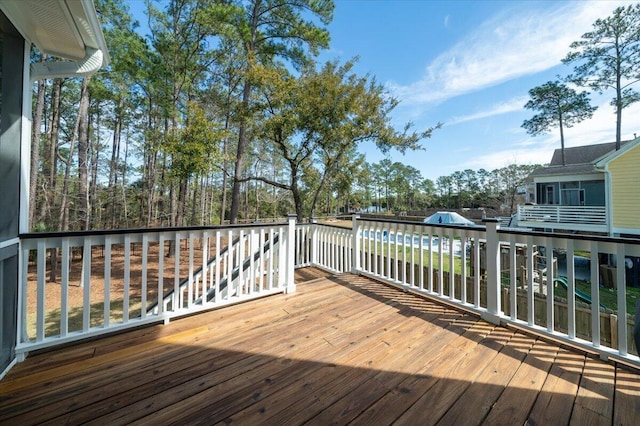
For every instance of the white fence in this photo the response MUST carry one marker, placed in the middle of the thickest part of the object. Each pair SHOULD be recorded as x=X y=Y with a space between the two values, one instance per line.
x=558 y=285
x=77 y=285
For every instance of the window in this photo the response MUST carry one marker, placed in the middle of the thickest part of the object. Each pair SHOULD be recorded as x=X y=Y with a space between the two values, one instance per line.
x=549 y=195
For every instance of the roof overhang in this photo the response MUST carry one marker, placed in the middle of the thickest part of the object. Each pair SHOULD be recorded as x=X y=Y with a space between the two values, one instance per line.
x=67 y=29
x=604 y=161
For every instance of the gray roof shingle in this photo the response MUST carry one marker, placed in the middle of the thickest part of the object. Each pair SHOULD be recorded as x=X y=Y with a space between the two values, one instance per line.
x=579 y=160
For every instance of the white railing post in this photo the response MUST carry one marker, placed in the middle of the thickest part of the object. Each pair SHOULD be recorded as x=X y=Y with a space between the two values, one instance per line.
x=290 y=285
x=493 y=271
x=355 y=254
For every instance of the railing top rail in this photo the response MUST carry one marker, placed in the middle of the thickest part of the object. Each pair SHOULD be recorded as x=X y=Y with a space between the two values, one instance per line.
x=330 y=225
x=556 y=206
x=582 y=237
x=59 y=234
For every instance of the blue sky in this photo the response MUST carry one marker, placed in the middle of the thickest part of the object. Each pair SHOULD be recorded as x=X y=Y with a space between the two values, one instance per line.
x=470 y=65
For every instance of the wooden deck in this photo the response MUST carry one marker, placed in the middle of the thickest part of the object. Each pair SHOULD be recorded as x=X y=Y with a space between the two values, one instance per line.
x=340 y=350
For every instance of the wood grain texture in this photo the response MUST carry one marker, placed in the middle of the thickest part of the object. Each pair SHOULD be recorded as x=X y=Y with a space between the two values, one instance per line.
x=341 y=350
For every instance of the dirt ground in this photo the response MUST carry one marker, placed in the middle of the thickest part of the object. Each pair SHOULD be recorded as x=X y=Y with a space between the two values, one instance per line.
x=116 y=286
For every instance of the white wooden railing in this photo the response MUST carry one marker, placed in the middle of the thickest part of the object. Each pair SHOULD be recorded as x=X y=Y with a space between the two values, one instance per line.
x=328 y=247
x=111 y=280
x=588 y=218
x=503 y=275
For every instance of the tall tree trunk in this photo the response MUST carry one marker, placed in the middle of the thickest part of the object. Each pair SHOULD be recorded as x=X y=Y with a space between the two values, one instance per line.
x=63 y=214
x=50 y=164
x=618 y=108
x=240 y=153
x=35 y=149
x=150 y=169
x=182 y=201
x=83 y=154
x=194 y=202
x=123 y=183
x=225 y=166
x=95 y=214
x=564 y=162
x=114 y=166
x=295 y=190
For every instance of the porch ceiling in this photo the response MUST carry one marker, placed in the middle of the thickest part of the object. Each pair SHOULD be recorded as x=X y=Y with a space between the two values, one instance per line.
x=62 y=28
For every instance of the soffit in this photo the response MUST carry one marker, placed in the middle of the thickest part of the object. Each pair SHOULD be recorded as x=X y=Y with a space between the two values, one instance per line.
x=62 y=28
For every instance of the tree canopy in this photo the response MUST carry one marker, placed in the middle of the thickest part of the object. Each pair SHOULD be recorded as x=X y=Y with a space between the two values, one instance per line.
x=558 y=106
x=607 y=58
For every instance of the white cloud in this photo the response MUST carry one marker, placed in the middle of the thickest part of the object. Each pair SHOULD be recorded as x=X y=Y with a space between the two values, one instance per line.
x=497 y=160
x=516 y=42
x=515 y=104
x=538 y=150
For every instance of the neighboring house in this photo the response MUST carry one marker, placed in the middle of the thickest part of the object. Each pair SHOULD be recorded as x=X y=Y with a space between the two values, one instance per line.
x=596 y=191
x=67 y=29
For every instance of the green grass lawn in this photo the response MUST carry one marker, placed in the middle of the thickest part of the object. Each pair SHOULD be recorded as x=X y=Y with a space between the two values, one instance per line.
x=608 y=296
x=383 y=249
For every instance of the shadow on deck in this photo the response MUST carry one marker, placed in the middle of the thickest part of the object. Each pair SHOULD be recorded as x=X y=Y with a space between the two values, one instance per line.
x=341 y=349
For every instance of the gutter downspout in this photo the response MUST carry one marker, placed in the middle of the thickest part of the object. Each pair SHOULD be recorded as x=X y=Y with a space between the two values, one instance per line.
x=88 y=65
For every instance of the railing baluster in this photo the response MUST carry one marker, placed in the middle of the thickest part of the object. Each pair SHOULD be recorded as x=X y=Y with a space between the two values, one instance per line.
x=127 y=278
x=463 y=267
x=143 y=290
x=621 y=291
x=64 y=289
x=452 y=269
x=404 y=255
x=549 y=287
x=421 y=252
x=107 y=281
x=595 y=296
x=412 y=275
x=192 y=286
x=241 y=281
x=431 y=268
x=177 y=293
x=216 y=295
x=86 y=284
x=513 y=279
x=530 y=283
x=440 y=262
x=161 y=305
x=261 y=244
x=272 y=253
x=40 y=293
x=390 y=229
x=230 y=256
x=375 y=250
x=571 y=291
x=282 y=258
x=252 y=268
x=204 y=271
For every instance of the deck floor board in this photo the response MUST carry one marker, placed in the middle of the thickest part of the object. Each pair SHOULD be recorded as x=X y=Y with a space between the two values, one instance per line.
x=341 y=350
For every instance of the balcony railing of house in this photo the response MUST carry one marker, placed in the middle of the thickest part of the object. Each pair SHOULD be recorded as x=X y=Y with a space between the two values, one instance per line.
x=586 y=218
x=82 y=284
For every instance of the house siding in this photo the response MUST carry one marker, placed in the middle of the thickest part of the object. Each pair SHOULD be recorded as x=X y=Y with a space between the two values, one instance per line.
x=625 y=190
